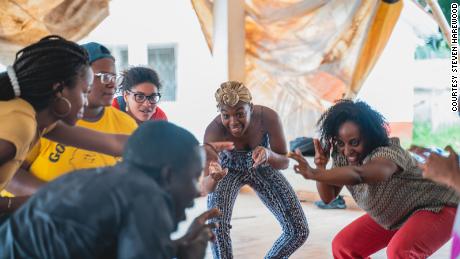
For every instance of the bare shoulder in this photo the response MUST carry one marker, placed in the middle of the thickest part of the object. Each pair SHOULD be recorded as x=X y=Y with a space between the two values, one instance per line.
x=267 y=113
x=214 y=130
x=215 y=124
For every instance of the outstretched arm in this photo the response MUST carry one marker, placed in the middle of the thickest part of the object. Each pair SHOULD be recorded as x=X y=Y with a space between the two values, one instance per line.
x=7 y=151
x=110 y=144
x=24 y=183
x=193 y=244
x=377 y=170
x=444 y=170
x=9 y=205
x=211 y=177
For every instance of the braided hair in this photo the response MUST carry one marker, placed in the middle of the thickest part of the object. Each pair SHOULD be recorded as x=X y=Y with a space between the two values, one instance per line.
x=40 y=66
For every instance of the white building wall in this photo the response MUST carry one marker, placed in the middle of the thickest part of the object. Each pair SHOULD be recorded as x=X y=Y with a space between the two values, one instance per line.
x=140 y=23
x=390 y=85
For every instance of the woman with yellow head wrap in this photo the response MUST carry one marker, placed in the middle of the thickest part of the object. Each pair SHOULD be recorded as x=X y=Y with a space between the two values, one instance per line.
x=260 y=152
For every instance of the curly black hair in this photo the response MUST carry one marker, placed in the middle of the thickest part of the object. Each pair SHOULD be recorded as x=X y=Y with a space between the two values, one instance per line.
x=138 y=75
x=372 y=124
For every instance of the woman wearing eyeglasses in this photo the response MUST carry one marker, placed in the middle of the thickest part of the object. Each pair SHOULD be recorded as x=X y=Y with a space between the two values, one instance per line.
x=52 y=159
x=141 y=94
x=43 y=94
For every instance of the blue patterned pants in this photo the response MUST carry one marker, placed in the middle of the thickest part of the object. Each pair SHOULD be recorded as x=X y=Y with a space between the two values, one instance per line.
x=276 y=193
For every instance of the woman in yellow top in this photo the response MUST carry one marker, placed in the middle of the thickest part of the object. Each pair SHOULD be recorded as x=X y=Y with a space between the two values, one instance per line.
x=54 y=159
x=43 y=94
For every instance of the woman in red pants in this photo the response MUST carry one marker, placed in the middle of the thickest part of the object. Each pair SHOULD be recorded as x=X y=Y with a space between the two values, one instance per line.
x=409 y=215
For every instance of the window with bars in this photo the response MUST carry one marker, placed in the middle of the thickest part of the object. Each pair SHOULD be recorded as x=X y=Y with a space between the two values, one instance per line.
x=163 y=61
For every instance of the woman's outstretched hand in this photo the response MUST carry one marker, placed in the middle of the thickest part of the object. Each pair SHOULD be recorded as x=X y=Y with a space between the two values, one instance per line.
x=444 y=170
x=216 y=172
x=302 y=168
x=212 y=149
x=260 y=155
x=321 y=156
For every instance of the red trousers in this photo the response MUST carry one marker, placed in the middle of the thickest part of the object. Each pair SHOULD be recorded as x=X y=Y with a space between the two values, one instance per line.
x=419 y=237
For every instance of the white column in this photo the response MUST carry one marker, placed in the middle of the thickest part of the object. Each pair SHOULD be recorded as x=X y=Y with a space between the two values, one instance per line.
x=228 y=38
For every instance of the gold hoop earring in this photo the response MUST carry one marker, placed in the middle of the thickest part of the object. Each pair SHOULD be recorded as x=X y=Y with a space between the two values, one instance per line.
x=62 y=107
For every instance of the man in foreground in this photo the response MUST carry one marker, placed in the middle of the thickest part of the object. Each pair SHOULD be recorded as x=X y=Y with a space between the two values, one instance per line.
x=125 y=211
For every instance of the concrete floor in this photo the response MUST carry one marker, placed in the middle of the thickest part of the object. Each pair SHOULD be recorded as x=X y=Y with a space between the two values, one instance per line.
x=254 y=228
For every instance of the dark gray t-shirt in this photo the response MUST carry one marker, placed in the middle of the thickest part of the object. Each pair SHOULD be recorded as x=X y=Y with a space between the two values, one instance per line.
x=99 y=213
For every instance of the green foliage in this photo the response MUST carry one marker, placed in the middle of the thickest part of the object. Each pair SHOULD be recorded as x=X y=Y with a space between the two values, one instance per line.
x=444 y=4
x=423 y=135
x=435 y=45
x=445 y=7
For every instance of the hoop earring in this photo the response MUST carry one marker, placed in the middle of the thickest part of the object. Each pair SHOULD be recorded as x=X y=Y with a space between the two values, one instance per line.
x=62 y=107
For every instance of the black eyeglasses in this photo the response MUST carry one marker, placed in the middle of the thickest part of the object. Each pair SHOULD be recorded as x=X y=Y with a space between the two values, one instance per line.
x=141 y=97
x=106 y=78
